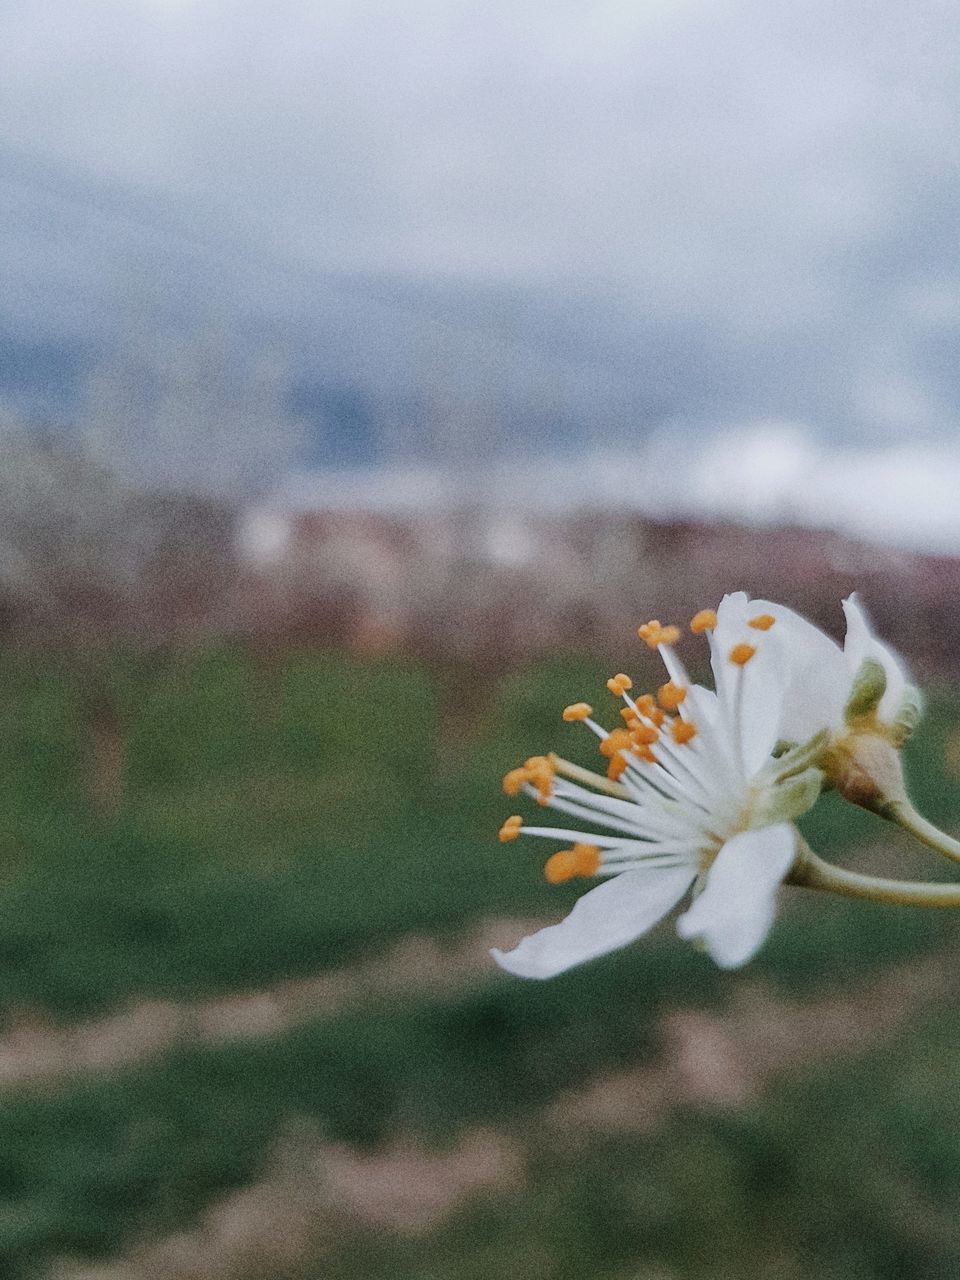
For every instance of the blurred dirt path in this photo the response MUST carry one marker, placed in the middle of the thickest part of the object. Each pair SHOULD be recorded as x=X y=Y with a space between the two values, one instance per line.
x=724 y=1059
x=34 y=1048
x=314 y=1190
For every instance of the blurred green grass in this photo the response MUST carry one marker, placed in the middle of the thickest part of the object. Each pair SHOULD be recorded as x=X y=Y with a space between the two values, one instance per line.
x=280 y=820
x=276 y=823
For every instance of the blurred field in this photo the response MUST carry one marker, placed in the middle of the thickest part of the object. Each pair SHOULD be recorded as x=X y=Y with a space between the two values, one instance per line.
x=326 y=815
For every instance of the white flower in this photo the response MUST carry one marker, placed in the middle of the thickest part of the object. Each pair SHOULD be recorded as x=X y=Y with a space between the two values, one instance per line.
x=693 y=800
x=822 y=680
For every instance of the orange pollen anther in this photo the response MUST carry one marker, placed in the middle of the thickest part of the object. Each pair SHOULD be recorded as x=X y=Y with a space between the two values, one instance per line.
x=683 y=731
x=705 y=620
x=616 y=740
x=577 y=711
x=741 y=654
x=581 y=860
x=671 y=695
x=644 y=734
x=656 y=634
x=631 y=719
x=513 y=781
x=539 y=771
x=619 y=684
x=511 y=828
x=762 y=622
x=643 y=752
x=540 y=774
x=616 y=767
x=649 y=709
x=539 y=764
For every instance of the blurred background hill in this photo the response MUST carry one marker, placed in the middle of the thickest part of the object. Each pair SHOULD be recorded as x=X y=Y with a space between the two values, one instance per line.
x=367 y=373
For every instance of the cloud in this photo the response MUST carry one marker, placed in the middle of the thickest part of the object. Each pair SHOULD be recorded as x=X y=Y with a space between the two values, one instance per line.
x=778 y=172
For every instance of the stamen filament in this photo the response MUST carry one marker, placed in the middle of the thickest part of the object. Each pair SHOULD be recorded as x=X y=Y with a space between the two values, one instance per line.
x=605 y=869
x=581 y=811
x=578 y=774
x=604 y=842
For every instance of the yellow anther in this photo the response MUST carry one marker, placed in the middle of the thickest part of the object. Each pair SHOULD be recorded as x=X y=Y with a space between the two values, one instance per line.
x=619 y=684
x=647 y=706
x=581 y=860
x=670 y=695
x=644 y=734
x=630 y=717
x=705 y=620
x=514 y=780
x=762 y=622
x=540 y=774
x=654 y=633
x=616 y=740
x=511 y=828
x=616 y=767
x=538 y=771
x=577 y=711
x=644 y=752
x=741 y=654
x=682 y=731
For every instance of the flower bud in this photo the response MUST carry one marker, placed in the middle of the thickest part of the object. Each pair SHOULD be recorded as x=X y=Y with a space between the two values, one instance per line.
x=869 y=686
x=865 y=769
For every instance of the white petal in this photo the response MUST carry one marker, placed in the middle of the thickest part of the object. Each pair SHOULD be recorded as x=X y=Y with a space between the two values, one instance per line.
x=731 y=629
x=734 y=913
x=604 y=919
x=751 y=695
x=761 y=705
x=815 y=673
x=862 y=643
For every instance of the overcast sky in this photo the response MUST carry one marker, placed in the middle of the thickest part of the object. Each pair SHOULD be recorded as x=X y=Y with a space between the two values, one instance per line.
x=686 y=144
x=760 y=166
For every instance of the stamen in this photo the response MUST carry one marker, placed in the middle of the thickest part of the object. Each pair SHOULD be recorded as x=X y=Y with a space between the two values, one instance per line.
x=565 y=769
x=670 y=695
x=511 y=828
x=616 y=767
x=705 y=620
x=616 y=740
x=619 y=684
x=683 y=731
x=577 y=711
x=540 y=774
x=513 y=781
x=741 y=654
x=536 y=770
x=654 y=633
x=644 y=734
x=649 y=710
x=630 y=717
x=643 y=752
x=762 y=622
x=581 y=860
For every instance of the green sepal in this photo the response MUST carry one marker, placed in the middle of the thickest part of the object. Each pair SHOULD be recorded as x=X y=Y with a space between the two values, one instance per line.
x=799 y=756
x=789 y=799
